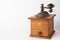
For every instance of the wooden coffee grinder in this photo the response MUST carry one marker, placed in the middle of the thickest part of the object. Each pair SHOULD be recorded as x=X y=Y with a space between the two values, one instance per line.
x=42 y=24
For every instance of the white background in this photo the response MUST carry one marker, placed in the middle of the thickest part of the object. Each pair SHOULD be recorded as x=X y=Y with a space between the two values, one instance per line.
x=14 y=22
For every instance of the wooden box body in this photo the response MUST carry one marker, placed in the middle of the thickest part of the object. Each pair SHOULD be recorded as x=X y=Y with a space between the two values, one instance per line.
x=42 y=27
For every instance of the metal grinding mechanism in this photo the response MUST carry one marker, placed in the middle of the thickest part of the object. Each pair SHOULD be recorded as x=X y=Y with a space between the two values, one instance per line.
x=45 y=13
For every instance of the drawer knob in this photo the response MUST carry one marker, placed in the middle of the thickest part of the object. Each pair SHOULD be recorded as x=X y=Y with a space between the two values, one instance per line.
x=40 y=33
